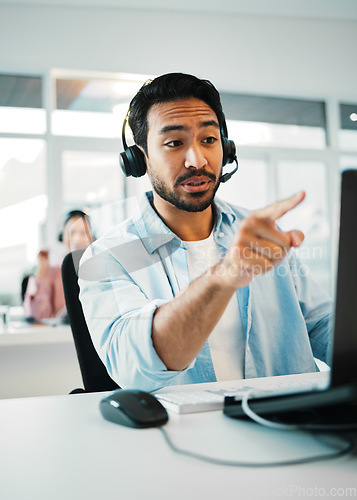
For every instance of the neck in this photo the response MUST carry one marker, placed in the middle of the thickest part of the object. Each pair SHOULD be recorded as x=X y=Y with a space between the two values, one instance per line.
x=188 y=226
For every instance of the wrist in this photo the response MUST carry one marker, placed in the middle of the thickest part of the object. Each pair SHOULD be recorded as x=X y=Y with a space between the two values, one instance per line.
x=223 y=276
x=230 y=275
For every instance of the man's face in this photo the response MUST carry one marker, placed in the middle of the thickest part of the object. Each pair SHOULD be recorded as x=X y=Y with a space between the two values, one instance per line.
x=184 y=153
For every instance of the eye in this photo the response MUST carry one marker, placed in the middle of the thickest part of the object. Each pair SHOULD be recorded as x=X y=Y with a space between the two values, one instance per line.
x=173 y=144
x=210 y=140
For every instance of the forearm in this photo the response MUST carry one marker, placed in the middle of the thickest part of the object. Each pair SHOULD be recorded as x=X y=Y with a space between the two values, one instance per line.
x=182 y=326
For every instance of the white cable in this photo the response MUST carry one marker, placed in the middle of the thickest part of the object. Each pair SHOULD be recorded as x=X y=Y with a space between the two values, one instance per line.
x=349 y=447
x=263 y=421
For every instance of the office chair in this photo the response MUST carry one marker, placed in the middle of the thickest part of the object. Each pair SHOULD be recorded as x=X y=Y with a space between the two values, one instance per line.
x=94 y=374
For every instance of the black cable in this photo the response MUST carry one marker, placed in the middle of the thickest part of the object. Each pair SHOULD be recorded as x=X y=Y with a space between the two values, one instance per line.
x=350 y=446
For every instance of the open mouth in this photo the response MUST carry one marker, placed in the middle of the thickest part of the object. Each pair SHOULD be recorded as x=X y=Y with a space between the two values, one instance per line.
x=195 y=184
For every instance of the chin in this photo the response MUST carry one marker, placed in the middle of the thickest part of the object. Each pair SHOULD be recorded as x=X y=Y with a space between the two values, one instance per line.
x=195 y=202
x=188 y=202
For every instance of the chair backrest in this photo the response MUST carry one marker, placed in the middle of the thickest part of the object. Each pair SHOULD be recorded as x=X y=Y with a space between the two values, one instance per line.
x=24 y=283
x=94 y=374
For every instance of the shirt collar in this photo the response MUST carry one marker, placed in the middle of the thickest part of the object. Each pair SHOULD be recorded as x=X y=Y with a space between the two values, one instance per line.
x=153 y=231
x=223 y=211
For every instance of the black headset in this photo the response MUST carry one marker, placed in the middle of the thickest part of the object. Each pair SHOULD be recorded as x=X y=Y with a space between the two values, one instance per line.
x=133 y=164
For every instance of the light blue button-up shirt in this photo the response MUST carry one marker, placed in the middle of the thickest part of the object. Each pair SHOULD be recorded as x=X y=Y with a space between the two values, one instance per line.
x=142 y=264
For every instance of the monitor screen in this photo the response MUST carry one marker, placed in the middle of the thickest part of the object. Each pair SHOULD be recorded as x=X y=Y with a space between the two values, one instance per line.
x=344 y=368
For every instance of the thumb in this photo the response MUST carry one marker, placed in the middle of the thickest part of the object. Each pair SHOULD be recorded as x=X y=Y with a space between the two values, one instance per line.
x=296 y=237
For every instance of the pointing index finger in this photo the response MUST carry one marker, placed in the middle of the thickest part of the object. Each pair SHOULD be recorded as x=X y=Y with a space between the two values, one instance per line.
x=279 y=208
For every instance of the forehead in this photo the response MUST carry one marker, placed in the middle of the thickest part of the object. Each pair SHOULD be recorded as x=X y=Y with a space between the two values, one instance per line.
x=179 y=112
x=75 y=222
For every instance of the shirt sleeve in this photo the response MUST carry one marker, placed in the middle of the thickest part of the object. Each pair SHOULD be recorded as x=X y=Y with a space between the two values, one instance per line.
x=316 y=306
x=119 y=317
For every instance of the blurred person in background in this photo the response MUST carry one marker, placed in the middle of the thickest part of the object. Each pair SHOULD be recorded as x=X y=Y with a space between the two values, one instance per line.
x=44 y=297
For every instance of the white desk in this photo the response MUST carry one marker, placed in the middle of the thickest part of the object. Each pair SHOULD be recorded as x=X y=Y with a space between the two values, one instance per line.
x=37 y=360
x=60 y=447
x=34 y=334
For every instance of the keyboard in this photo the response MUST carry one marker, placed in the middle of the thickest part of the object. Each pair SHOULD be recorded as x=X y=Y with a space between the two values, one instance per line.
x=191 y=402
x=210 y=396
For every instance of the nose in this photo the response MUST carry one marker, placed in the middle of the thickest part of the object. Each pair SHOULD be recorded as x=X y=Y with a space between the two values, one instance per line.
x=195 y=157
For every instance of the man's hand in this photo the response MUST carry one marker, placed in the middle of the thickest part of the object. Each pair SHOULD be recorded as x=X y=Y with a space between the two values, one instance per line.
x=258 y=245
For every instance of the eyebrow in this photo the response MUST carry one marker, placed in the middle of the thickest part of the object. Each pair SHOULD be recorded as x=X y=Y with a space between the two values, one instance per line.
x=170 y=128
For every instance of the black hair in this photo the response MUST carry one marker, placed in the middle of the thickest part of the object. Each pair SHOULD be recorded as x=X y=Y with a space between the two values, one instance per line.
x=166 y=88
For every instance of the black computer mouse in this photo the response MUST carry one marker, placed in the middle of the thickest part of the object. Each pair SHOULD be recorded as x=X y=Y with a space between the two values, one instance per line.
x=133 y=408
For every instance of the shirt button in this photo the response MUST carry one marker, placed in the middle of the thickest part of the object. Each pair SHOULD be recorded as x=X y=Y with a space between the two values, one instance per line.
x=248 y=348
x=220 y=235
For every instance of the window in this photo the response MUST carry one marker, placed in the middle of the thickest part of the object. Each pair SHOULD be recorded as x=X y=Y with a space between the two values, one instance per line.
x=281 y=144
x=311 y=216
x=272 y=121
x=242 y=189
x=265 y=129
x=23 y=193
x=20 y=105
x=93 y=107
x=93 y=180
x=348 y=161
x=348 y=131
x=23 y=210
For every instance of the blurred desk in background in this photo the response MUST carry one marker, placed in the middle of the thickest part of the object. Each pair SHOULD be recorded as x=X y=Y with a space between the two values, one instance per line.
x=17 y=333
x=38 y=360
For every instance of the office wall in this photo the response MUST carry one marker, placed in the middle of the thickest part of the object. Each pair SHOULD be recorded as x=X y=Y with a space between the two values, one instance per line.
x=247 y=53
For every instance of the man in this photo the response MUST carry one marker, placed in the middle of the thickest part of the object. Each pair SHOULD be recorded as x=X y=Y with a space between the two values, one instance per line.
x=191 y=289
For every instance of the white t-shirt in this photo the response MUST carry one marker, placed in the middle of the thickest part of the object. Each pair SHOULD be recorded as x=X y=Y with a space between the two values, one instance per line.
x=227 y=343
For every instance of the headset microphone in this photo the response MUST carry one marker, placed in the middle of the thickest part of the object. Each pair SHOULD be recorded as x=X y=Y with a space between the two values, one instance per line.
x=228 y=175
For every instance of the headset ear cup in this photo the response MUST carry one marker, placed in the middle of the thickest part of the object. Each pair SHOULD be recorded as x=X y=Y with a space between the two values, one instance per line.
x=124 y=164
x=132 y=162
x=229 y=151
